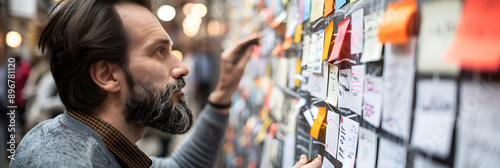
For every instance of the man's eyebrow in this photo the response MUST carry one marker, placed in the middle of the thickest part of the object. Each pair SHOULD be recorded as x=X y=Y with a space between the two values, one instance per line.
x=163 y=42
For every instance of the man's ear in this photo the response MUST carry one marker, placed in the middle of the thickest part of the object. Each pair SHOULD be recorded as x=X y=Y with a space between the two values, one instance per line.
x=105 y=75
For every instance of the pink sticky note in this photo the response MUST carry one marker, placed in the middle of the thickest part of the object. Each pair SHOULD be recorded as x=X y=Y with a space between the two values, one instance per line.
x=339 y=40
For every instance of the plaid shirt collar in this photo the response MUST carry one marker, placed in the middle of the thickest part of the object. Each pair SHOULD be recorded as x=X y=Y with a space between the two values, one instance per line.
x=126 y=153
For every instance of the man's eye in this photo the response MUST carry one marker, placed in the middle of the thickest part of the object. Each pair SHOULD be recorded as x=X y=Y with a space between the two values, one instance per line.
x=159 y=51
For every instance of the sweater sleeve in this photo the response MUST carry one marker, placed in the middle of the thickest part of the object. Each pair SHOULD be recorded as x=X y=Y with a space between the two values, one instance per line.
x=200 y=148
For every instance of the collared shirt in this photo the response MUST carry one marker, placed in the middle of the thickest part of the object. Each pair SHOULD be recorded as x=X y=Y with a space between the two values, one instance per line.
x=126 y=153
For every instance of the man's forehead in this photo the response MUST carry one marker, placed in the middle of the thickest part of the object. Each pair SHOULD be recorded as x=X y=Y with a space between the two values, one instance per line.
x=139 y=22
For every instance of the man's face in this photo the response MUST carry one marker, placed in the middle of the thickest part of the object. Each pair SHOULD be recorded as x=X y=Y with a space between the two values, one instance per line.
x=154 y=96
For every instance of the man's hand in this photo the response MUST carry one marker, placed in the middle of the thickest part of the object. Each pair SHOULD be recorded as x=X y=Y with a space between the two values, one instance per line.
x=303 y=160
x=232 y=65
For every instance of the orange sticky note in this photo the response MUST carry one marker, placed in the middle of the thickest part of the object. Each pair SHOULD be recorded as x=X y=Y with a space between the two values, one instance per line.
x=288 y=42
x=272 y=130
x=317 y=123
x=328 y=39
x=396 y=21
x=328 y=7
x=476 y=45
x=339 y=40
x=297 y=37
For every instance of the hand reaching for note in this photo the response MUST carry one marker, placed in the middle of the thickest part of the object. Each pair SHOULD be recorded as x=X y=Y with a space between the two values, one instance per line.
x=303 y=162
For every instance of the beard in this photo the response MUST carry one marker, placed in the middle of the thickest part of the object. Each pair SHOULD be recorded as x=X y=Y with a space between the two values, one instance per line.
x=153 y=107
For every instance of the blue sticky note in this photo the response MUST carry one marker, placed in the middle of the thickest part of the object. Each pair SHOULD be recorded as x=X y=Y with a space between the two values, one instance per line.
x=278 y=6
x=339 y=3
x=307 y=10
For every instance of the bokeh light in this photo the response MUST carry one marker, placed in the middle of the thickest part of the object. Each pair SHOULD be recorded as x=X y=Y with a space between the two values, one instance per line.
x=166 y=13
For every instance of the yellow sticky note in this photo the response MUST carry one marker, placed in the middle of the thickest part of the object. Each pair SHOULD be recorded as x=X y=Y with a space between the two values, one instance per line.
x=298 y=34
x=298 y=70
x=328 y=39
x=317 y=123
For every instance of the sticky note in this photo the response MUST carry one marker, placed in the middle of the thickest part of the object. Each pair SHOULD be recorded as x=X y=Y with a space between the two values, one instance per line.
x=316 y=9
x=318 y=83
x=328 y=40
x=437 y=28
x=332 y=133
x=396 y=22
x=357 y=81
x=333 y=85
x=434 y=118
x=297 y=38
x=318 y=52
x=348 y=140
x=306 y=49
x=475 y=46
x=367 y=148
x=307 y=10
x=328 y=7
x=391 y=154
x=272 y=130
x=372 y=49
x=326 y=163
x=298 y=70
x=317 y=122
x=339 y=40
x=399 y=73
x=344 y=98
x=339 y=3
x=372 y=100
x=287 y=43
x=357 y=31
x=301 y=10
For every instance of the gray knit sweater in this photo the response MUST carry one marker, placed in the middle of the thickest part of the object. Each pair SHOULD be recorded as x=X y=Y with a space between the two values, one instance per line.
x=66 y=142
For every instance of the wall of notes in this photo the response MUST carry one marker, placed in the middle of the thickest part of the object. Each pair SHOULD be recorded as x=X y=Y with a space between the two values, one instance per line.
x=367 y=83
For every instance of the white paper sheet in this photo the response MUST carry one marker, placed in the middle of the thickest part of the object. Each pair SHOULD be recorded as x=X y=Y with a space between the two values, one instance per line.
x=318 y=52
x=317 y=85
x=420 y=162
x=434 y=116
x=313 y=44
x=357 y=81
x=367 y=148
x=333 y=85
x=372 y=100
x=306 y=41
x=391 y=154
x=357 y=31
x=326 y=163
x=344 y=98
x=399 y=65
x=332 y=133
x=372 y=49
x=289 y=151
x=348 y=139
x=439 y=21
x=478 y=135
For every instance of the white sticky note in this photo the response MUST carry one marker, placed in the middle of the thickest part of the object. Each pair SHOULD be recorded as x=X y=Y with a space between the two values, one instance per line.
x=305 y=49
x=420 y=162
x=316 y=9
x=333 y=85
x=318 y=52
x=357 y=82
x=372 y=49
x=313 y=43
x=332 y=133
x=326 y=163
x=317 y=85
x=391 y=154
x=276 y=102
x=289 y=151
x=399 y=65
x=292 y=65
x=478 y=135
x=280 y=74
x=357 y=31
x=434 y=116
x=309 y=117
x=372 y=100
x=305 y=85
x=344 y=98
x=348 y=139
x=436 y=33
x=367 y=148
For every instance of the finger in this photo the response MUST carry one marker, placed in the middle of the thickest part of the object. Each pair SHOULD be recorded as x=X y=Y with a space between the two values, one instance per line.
x=246 y=56
x=243 y=44
x=315 y=164
x=302 y=161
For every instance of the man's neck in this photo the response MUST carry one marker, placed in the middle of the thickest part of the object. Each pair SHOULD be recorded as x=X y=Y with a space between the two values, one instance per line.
x=113 y=115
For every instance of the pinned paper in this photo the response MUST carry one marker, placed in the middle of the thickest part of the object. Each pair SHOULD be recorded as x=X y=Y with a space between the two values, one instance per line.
x=307 y=10
x=436 y=33
x=399 y=65
x=317 y=122
x=288 y=42
x=297 y=37
x=396 y=24
x=327 y=163
x=333 y=85
x=344 y=98
x=317 y=84
x=372 y=50
x=357 y=31
x=477 y=136
x=348 y=139
x=339 y=40
x=391 y=154
x=475 y=46
x=434 y=116
x=367 y=148
x=289 y=151
x=306 y=49
x=311 y=54
x=339 y=3
x=298 y=70
x=372 y=100
x=332 y=133
x=328 y=39
x=421 y=162
x=328 y=7
x=318 y=51
x=316 y=9
x=357 y=81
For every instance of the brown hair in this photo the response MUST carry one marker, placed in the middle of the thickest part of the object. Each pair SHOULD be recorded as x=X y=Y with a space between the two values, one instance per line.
x=79 y=33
